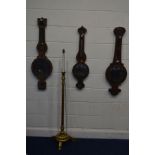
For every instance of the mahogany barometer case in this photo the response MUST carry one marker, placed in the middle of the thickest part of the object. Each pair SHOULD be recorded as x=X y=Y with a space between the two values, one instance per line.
x=116 y=72
x=42 y=66
x=80 y=69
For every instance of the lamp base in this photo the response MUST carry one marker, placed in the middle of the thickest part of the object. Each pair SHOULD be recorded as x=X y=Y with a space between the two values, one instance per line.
x=62 y=137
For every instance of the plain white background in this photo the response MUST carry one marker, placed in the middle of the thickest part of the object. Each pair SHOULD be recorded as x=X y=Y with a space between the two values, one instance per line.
x=13 y=78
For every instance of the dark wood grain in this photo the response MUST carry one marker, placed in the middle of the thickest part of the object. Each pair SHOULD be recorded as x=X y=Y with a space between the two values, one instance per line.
x=41 y=66
x=80 y=69
x=116 y=72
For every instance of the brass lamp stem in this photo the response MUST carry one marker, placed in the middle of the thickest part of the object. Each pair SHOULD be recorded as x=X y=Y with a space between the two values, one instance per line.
x=62 y=100
x=62 y=136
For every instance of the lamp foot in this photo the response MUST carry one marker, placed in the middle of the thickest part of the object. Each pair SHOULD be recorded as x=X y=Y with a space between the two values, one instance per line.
x=62 y=137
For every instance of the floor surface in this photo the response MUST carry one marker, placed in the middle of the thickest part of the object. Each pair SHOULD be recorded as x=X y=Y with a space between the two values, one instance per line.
x=48 y=146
